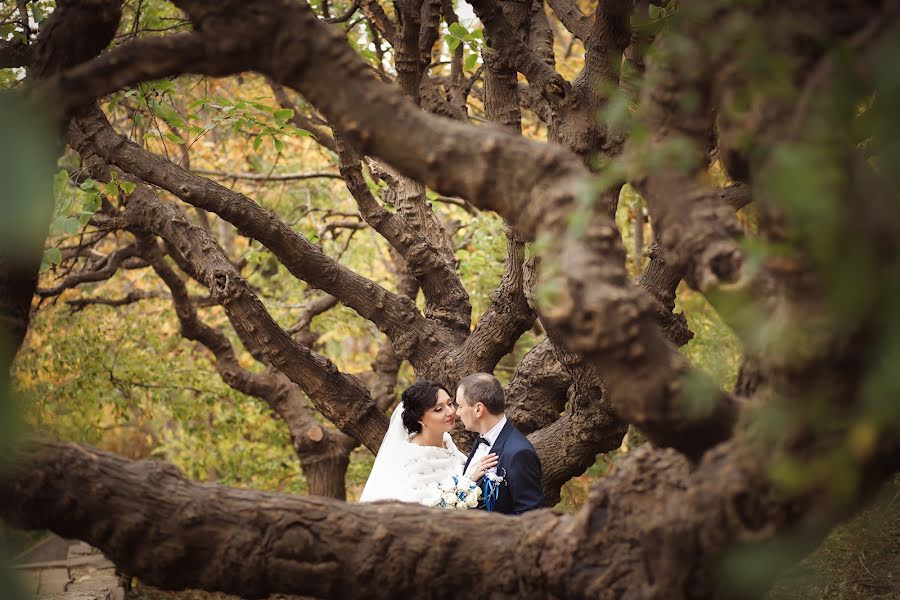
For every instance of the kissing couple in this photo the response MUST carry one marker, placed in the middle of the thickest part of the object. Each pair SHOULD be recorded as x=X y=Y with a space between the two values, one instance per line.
x=417 y=452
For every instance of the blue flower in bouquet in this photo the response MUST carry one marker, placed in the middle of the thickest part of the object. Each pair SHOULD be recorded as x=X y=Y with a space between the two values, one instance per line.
x=456 y=491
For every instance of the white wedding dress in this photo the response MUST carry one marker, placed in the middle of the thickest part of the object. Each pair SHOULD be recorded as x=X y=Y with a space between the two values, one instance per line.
x=409 y=472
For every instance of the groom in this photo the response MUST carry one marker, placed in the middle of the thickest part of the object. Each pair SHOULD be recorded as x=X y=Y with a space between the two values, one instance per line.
x=480 y=405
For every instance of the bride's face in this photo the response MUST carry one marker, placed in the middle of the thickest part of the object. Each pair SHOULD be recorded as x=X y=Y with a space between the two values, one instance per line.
x=440 y=417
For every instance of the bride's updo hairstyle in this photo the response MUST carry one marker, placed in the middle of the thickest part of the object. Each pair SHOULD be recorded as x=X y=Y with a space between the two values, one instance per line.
x=417 y=399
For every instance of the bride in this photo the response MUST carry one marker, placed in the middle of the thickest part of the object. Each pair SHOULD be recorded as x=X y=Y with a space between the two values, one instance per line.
x=417 y=450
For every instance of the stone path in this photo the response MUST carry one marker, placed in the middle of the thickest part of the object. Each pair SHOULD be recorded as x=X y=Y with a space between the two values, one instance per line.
x=83 y=574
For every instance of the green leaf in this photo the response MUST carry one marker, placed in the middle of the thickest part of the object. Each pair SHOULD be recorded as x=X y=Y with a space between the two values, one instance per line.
x=164 y=85
x=111 y=189
x=91 y=205
x=457 y=30
x=166 y=112
x=453 y=42
x=279 y=145
x=175 y=138
x=71 y=226
x=284 y=114
x=38 y=12
x=257 y=142
x=52 y=256
x=89 y=184
x=471 y=61
x=66 y=225
x=60 y=182
x=127 y=186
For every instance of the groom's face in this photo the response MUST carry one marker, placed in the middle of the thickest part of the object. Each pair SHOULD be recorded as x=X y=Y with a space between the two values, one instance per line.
x=464 y=411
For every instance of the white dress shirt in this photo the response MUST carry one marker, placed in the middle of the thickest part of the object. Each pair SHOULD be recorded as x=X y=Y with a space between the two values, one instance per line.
x=485 y=449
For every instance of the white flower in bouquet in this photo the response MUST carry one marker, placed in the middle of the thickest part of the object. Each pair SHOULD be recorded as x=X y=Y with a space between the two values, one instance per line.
x=457 y=491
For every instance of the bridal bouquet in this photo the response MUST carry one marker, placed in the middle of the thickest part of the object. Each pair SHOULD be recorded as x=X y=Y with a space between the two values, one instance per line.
x=457 y=491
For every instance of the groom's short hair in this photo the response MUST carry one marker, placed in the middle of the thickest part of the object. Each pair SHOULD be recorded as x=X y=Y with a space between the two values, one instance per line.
x=484 y=388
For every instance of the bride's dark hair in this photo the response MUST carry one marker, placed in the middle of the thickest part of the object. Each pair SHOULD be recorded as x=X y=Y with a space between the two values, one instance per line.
x=418 y=398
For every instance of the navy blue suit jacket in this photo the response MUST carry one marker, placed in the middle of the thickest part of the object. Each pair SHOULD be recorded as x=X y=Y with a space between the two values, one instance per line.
x=519 y=465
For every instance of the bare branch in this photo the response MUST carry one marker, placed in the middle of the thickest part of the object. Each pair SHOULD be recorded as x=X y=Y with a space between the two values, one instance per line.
x=344 y=17
x=320 y=305
x=312 y=443
x=376 y=16
x=299 y=120
x=571 y=17
x=105 y=268
x=265 y=176
x=79 y=304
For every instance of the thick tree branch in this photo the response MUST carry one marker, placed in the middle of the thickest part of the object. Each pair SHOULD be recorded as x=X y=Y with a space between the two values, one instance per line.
x=73 y=33
x=736 y=195
x=587 y=427
x=416 y=234
x=14 y=54
x=506 y=319
x=697 y=231
x=503 y=39
x=392 y=314
x=629 y=538
x=609 y=36
x=537 y=393
x=661 y=281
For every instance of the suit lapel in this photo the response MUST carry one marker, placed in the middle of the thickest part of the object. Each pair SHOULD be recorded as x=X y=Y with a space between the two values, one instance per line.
x=497 y=447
